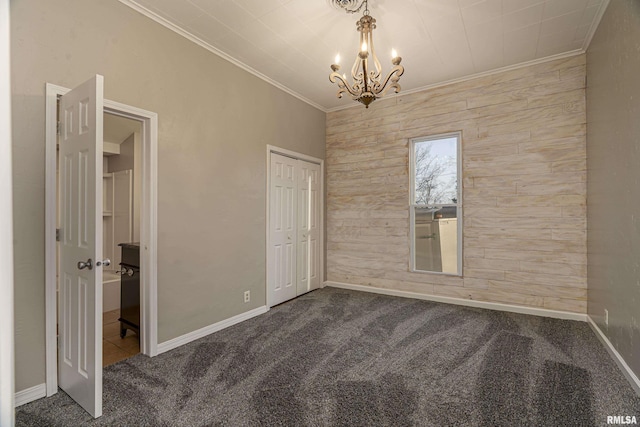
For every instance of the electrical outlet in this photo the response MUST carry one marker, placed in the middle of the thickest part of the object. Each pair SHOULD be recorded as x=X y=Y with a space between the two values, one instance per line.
x=247 y=296
x=606 y=317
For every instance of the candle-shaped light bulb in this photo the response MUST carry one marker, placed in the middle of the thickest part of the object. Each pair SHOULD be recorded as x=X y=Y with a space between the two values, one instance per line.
x=395 y=59
x=364 y=47
x=337 y=59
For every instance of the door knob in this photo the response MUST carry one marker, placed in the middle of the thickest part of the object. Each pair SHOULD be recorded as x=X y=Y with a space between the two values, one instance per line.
x=82 y=265
x=106 y=262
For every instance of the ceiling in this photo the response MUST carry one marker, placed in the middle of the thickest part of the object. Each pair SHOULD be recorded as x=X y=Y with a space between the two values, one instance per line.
x=292 y=43
x=117 y=129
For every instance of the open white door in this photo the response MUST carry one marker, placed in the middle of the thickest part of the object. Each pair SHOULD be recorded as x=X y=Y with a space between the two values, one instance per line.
x=80 y=303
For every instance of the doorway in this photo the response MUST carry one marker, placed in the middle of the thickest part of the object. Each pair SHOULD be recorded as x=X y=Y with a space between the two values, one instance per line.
x=147 y=123
x=121 y=232
x=294 y=225
x=121 y=185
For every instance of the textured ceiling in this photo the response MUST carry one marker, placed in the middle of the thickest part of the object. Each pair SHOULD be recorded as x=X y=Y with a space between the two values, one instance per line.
x=292 y=43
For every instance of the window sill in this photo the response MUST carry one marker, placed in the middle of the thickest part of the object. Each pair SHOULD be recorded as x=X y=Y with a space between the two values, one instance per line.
x=439 y=273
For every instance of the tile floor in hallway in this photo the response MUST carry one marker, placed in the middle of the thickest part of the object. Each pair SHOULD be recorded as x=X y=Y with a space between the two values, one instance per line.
x=114 y=348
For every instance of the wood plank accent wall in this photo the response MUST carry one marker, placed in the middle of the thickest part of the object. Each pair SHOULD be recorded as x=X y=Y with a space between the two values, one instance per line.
x=524 y=187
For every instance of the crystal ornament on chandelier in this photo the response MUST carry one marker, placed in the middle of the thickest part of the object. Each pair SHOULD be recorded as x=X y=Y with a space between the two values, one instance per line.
x=367 y=85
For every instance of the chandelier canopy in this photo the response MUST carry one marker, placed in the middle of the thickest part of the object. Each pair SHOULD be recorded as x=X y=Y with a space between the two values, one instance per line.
x=366 y=72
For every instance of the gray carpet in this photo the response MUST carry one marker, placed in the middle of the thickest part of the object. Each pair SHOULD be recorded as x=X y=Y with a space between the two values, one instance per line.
x=342 y=358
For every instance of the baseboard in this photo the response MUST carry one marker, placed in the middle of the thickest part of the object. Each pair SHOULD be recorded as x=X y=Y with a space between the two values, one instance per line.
x=466 y=302
x=207 y=330
x=30 y=394
x=626 y=370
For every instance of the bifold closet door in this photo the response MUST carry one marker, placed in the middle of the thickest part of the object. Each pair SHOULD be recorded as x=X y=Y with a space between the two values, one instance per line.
x=293 y=258
x=281 y=251
x=308 y=254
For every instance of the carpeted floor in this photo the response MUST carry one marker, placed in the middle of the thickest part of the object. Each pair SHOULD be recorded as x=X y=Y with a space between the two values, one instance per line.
x=342 y=358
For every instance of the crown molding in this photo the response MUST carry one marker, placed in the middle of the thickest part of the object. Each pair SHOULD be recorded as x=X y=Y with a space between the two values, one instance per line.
x=594 y=24
x=175 y=28
x=165 y=23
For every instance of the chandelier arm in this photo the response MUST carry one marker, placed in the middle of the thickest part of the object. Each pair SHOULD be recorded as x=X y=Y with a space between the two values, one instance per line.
x=392 y=77
x=355 y=70
x=343 y=85
x=356 y=64
x=358 y=83
x=357 y=90
x=378 y=67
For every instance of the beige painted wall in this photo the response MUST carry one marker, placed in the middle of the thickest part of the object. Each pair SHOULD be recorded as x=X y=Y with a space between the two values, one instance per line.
x=524 y=187
x=613 y=147
x=215 y=121
x=126 y=159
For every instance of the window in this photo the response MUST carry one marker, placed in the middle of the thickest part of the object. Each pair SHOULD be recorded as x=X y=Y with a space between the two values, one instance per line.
x=436 y=204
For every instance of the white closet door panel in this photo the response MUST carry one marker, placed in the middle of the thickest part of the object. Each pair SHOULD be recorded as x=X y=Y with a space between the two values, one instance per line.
x=308 y=227
x=303 y=228
x=281 y=253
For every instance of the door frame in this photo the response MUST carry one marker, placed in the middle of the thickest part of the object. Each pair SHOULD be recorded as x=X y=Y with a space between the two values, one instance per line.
x=298 y=156
x=7 y=331
x=148 y=228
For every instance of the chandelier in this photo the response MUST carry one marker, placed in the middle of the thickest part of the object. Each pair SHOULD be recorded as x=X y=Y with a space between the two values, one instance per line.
x=367 y=85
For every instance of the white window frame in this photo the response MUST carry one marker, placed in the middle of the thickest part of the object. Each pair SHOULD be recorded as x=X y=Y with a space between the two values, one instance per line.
x=413 y=205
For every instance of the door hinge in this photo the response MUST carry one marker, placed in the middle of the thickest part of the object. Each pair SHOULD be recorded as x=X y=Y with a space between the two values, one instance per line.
x=58 y=128
x=57 y=234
